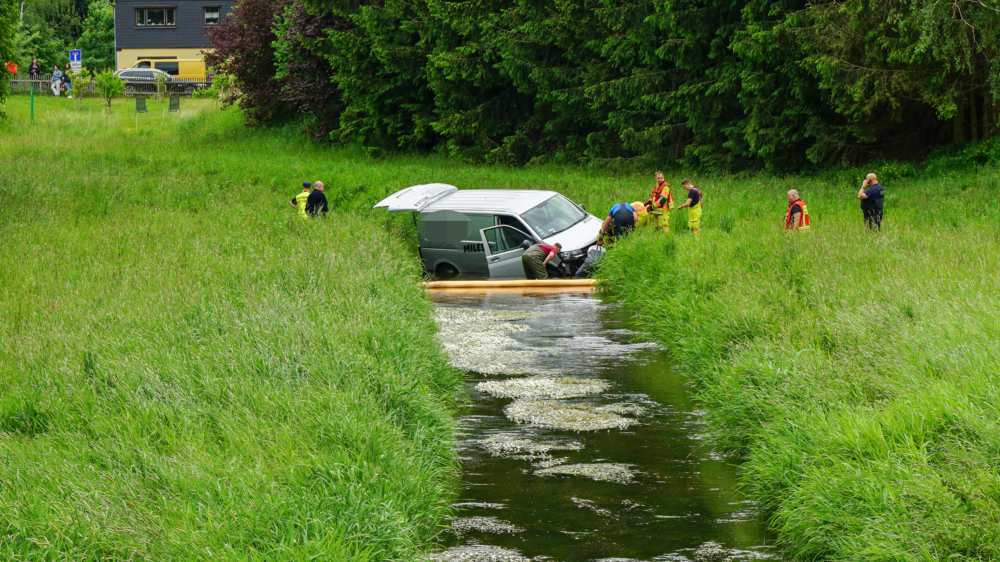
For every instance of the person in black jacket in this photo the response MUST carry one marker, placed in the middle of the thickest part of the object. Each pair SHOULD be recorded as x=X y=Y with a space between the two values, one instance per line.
x=316 y=205
x=872 y=202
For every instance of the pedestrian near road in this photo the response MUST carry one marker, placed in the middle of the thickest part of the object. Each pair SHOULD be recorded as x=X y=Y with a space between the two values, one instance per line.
x=872 y=202
x=300 y=200
x=316 y=205
x=797 y=215
x=55 y=81
x=693 y=204
x=537 y=257
x=67 y=84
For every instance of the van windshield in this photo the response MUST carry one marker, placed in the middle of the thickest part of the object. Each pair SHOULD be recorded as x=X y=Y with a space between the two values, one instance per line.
x=553 y=216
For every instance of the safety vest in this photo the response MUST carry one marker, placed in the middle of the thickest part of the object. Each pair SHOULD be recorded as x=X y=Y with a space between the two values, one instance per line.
x=300 y=202
x=804 y=220
x=658 y=193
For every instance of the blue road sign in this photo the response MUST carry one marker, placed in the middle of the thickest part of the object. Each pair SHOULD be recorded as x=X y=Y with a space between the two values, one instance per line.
x=75 y=60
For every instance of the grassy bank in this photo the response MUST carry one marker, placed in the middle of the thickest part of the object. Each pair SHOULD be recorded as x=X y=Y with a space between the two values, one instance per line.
x=856 y=372
x=189 y=371
x=194 y=373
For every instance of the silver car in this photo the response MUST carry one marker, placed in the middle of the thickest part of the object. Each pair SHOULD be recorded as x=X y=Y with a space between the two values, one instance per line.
x=480 y=232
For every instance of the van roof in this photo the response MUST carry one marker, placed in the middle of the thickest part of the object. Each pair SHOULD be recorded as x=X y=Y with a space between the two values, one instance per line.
x=512 y=201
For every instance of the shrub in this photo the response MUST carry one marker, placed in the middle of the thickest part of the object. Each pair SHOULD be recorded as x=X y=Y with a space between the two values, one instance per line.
x=109 y=86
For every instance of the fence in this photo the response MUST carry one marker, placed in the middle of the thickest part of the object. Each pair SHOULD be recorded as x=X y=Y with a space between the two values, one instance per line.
x=22 y=84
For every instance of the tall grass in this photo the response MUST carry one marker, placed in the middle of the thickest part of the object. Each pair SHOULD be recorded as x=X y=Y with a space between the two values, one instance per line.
x=191 y=372
x=857 y=373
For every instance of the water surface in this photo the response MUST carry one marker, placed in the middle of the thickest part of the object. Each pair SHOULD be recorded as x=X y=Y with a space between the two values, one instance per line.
x=579 y=442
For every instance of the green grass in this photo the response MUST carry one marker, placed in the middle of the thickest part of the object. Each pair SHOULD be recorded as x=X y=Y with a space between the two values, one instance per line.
x=857 y=373
x=191 y=372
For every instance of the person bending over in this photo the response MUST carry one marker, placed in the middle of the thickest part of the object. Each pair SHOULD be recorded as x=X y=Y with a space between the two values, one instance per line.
x=537 y=257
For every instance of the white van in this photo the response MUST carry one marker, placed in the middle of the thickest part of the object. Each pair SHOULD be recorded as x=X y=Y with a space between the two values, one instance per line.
x=479 y=232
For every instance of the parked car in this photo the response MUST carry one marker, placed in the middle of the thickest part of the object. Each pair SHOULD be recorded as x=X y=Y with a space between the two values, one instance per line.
x=479 y=232
x=142 y=80
x=141 y=75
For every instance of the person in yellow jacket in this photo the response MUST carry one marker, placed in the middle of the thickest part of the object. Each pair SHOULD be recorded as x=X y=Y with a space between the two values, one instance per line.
x=693 y=204
x=300 y=200
x=660 y=203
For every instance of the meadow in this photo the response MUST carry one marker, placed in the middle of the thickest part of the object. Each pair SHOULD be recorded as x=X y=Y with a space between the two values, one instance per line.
x=193 y=372
x=857 y=374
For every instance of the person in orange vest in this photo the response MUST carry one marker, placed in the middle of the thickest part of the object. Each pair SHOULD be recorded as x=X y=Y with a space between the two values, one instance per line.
x=797 y=215
x=661 y=200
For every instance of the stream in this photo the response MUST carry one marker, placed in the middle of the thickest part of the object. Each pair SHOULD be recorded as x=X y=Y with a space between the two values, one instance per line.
x=580 y=442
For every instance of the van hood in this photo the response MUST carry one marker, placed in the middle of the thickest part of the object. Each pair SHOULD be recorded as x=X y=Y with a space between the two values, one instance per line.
x=578 y=237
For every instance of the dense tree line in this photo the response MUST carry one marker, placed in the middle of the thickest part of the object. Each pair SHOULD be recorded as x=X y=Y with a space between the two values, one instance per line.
x=728 y=84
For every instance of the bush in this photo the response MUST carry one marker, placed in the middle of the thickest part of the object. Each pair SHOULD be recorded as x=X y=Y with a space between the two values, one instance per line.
x=108 y=86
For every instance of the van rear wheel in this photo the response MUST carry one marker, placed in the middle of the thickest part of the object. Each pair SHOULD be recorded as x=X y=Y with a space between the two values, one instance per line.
x=445 y=271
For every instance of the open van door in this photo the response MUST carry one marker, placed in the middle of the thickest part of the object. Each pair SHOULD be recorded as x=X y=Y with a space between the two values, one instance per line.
x=415 y=198
x=502 y=245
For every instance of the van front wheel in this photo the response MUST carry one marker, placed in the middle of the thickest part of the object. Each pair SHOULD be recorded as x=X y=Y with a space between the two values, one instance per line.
x=445 y=271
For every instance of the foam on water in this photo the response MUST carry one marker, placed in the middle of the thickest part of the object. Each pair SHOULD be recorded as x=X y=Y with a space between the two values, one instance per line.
x=600 y=471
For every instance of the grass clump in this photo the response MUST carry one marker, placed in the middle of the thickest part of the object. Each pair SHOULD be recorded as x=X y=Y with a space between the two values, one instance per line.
x=192 y=372
x=855 y=372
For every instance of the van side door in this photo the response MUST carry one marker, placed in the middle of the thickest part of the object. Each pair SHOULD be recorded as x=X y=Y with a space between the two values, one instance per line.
x=503 y=247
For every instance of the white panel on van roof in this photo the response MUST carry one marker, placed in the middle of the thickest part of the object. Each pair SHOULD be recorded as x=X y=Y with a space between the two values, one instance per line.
x=415 y=198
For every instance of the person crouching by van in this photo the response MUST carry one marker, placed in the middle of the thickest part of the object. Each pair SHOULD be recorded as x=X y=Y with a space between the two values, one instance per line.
x=537 y=257
x=797 y=215
x=301 y=200
x=594 y=255
x=693 y=205
x=316 y=205
x=620 y=221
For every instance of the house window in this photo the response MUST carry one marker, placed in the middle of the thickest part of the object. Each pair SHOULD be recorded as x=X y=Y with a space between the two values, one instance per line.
x=213 y=15
x=155 y=17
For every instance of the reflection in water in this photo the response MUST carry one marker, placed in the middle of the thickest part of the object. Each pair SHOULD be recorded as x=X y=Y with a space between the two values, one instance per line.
x=580 y=444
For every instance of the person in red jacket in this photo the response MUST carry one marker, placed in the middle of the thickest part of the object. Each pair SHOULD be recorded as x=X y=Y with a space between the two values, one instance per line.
x=537 y=257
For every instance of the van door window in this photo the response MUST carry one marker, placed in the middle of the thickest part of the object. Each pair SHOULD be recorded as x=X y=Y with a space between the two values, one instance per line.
x=472 y=242
x=509 y=220
x=504 y=239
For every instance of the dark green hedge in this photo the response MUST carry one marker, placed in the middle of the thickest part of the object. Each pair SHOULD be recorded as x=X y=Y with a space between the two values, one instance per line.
x=776 y=84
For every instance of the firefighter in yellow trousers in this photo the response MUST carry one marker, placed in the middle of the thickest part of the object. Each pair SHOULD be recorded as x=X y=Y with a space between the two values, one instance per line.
x=693 y=204
x=660 y=202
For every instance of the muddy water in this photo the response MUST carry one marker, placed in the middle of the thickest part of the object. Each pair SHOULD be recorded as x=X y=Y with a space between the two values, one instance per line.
x=580 y=444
